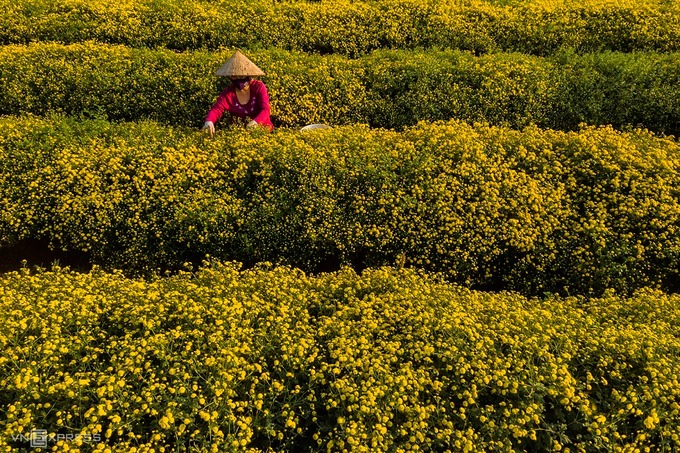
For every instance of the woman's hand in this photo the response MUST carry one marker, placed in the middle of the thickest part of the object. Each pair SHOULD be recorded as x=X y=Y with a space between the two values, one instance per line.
x=210 y=127
x=251 y=124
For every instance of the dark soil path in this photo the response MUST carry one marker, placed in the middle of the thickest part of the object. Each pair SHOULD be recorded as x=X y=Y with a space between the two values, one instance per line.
x=31 y=253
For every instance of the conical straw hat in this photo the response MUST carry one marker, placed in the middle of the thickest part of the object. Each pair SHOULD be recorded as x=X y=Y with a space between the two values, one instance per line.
x=239 y=66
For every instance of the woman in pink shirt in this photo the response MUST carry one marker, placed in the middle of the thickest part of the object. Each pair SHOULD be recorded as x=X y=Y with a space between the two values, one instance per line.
x=246 y=99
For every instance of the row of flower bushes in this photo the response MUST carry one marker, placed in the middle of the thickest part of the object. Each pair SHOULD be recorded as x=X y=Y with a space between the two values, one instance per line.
x=349 y=27
x=390 y=89
x=274 y=360
x=534 y=210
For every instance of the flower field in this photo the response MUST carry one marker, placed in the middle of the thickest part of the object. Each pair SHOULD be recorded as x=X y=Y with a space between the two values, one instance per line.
x=482 y=254
x=383 y=89
x=537 y=27
x=533 y=210
x=272 y=359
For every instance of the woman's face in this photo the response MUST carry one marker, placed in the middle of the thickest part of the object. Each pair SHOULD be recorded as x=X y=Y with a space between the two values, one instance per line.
x=241 y=83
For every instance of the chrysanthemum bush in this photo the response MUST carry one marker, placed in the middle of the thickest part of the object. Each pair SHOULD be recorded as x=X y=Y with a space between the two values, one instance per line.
x=271 y=359
x=534 y=210
x=350 y=27
x=390 y=89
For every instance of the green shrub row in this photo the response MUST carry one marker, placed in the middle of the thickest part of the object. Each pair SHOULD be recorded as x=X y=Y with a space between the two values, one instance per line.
x=534 y=210
x=390 y=89
x=273 y=360
x=347 y=27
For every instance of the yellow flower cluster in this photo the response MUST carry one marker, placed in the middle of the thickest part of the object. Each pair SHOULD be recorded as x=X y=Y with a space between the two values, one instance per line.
x=385 y=89
x=532 y=210
x=271 y=359
x=350 y=27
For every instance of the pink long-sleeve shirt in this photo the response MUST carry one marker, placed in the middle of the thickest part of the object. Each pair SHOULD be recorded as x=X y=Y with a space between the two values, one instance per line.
x=257 y=108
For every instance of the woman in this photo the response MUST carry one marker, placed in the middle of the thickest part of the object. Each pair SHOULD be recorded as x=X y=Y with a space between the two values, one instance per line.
x=246 y=99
